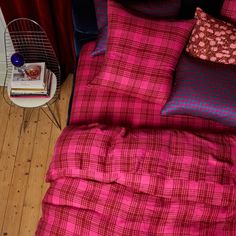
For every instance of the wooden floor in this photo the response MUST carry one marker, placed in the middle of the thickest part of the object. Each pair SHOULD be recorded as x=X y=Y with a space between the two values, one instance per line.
x=24 y=160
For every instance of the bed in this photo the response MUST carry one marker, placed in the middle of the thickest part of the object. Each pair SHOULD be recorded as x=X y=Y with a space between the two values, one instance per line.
x=147 y=151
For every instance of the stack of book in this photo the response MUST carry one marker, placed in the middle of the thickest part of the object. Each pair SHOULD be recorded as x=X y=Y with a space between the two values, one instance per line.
x=34 y=81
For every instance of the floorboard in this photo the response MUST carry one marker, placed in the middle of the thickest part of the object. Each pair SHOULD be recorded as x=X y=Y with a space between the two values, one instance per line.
x=24 y=159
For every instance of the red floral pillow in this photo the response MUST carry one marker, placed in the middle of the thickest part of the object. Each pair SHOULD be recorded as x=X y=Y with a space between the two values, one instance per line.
x=229 y=10
x=142 y=54
x=212 y=39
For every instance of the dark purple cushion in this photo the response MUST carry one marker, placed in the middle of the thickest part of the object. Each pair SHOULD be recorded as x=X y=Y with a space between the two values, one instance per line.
x=153 y=8
x=101 y=14
x=204 y=89
x=212 y=7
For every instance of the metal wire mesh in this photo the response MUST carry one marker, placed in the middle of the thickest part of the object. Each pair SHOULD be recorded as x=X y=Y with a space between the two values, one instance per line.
x=28 y=38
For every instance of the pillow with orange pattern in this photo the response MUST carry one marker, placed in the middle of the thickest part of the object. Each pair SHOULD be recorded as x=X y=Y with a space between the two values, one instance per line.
x=212 y=39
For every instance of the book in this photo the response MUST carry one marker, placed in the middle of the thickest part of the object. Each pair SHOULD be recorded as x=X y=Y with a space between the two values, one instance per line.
x=28 y=92
x=32 y=78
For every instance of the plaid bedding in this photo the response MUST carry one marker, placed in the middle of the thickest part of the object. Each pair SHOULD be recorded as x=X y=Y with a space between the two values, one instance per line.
x=229 y=10
x=118 y=181
x=176 y=179
x=97 y=104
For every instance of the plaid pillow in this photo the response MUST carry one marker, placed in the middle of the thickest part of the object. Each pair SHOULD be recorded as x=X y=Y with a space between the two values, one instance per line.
x=142 y=54
x=204 y=89
x=229 y=10
x=101 y=14
x=164 y=8
x=91 y=104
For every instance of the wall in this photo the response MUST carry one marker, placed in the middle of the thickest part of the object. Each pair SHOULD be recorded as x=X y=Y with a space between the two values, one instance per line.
x=2 y=49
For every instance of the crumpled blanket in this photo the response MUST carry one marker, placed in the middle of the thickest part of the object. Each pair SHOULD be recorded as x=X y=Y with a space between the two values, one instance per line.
x=117 y=181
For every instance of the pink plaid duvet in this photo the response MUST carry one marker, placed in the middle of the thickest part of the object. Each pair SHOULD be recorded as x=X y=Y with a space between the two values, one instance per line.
x=97 y=104
x=178 y=179
x=114 y=181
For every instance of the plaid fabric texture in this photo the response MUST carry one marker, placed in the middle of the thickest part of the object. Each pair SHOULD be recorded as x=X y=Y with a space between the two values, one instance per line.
x=229 y=10
x=141 y=54
x=114 y=181
x=164 y=9
x=204 y=89
x=101 y=14
x=97 y=104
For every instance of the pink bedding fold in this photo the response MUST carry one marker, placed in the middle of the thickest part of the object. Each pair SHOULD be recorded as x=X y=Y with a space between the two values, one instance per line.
x=116 y=181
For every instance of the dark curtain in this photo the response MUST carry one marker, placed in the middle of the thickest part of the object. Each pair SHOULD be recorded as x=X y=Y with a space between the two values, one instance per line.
x=55 y=16
x=85 y=23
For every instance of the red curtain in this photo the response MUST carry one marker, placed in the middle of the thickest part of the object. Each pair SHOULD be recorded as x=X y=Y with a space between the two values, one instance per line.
x=55 y=16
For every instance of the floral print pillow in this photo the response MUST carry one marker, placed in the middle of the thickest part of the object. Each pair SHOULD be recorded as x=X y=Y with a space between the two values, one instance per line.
x=212 y=39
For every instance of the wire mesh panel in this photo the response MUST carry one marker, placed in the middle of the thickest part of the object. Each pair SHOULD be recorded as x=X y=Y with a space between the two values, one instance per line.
x=28 y=38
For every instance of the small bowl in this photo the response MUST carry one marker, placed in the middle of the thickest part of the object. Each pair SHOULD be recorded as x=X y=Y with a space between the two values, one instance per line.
x=33 y=71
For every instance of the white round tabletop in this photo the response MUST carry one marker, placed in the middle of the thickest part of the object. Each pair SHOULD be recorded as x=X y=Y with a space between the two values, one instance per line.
x=30 y=102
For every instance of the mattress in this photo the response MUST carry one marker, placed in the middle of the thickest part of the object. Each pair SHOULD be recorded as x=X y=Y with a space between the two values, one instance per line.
x=93 y=103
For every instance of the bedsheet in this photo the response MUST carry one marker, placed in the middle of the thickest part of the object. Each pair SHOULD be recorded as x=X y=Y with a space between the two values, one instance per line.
x=117 y=181
x=95 y=104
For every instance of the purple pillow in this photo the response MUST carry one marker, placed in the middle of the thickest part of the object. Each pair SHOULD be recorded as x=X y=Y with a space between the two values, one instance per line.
x=212 y=7
x=154 y=8
x=101 y=14
x=204 y=89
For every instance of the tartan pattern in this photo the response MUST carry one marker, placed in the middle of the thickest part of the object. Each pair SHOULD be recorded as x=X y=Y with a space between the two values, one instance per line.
x=229 y=10
x=204 y=89
x=101 y=14
x=114 y=181
x=162 y=9
x=101 y=42
x=141 y=54
x=95 y=104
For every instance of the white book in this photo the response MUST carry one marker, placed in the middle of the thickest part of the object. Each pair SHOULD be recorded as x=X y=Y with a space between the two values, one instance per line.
x=17 y=92
x=20 y=80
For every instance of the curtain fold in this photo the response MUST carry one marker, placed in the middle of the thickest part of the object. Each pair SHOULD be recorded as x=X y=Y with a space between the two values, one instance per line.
x=56 y=19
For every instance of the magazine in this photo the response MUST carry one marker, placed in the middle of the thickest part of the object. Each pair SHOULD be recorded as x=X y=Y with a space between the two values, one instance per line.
x=34 y=91
x=33 y=76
